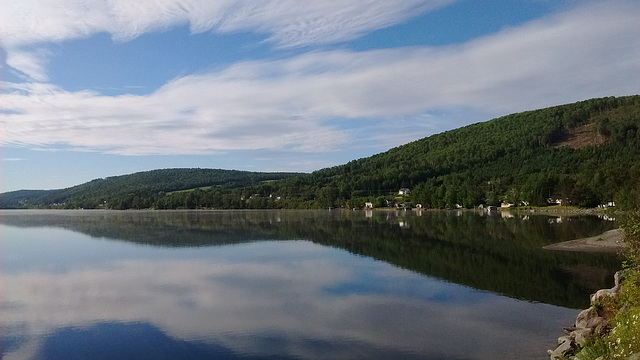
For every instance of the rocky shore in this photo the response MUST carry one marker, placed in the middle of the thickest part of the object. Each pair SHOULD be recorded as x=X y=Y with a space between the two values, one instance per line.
x=590 y=322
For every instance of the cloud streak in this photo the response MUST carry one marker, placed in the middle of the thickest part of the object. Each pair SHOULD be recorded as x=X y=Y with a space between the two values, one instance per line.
x=285 y=23
x=290 y=104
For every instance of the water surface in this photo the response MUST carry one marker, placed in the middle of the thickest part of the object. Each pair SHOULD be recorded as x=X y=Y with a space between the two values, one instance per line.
x=290 y=284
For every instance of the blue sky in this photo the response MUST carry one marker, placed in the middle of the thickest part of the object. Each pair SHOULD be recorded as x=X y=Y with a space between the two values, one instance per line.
x=94 y=88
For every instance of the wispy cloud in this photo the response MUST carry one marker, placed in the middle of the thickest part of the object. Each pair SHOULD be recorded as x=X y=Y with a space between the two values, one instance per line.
x=31 y=63
x=293 y=23
x=291 y=104
x=285 y=23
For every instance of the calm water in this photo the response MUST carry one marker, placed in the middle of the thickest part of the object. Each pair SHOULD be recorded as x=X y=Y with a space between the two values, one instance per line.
x=290 y=285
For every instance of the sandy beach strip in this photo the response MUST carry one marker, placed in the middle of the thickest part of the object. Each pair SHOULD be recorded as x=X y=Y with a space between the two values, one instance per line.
x=609 y=241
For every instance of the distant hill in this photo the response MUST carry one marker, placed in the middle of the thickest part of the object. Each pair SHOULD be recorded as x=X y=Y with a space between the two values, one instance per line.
x=138 y=190
x=584 y=154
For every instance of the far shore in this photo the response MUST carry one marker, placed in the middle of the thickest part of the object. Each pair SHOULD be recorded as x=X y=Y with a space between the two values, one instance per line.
x=609 y=241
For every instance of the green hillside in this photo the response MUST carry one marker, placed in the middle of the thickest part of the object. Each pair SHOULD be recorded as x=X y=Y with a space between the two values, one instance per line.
x=586 y=154
x=139 y=190
x=583 y=154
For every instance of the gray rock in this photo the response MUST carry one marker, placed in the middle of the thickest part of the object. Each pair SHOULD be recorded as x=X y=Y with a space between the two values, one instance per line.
x=618 y=278
x=600 y=295
x=588 y=323
x=595 y=322
x=564 y=339
x=580 y=336
x=585 y=315
x=565 y=348
x=602 y=328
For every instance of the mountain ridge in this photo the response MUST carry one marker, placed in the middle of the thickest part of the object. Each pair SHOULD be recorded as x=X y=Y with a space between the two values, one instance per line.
x=143 y=184
x=585 y=153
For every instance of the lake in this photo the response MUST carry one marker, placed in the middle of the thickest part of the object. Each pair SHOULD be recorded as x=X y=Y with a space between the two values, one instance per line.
x=291 y=284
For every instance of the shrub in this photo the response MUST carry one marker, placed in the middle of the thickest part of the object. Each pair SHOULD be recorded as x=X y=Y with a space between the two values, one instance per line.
x=623 y=339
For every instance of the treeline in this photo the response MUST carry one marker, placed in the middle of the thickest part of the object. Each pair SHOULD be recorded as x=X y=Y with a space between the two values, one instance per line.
x=141 y=190
x=583 y=154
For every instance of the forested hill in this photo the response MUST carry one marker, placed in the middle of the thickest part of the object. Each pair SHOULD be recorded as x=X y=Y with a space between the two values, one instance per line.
x=583 y=154
x=138 y=190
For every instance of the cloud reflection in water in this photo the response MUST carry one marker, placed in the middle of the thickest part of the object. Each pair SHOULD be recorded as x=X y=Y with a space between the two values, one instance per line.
x=267 y=299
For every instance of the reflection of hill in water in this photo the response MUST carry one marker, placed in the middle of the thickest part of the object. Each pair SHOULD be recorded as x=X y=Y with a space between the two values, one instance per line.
x=484 y=252
x=157 y=228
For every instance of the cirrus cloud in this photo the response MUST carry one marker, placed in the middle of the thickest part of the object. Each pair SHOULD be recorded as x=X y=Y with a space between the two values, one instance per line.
x=285 y=23
x=295 y=103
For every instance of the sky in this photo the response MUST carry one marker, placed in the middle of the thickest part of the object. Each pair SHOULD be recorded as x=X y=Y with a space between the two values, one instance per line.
x=98 y=88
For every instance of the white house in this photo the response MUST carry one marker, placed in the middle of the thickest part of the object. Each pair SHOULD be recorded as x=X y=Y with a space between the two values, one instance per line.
x=608 y=204
x=404 y=191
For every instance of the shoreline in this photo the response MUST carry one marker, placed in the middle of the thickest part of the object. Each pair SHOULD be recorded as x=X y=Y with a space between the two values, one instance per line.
x=611 y=241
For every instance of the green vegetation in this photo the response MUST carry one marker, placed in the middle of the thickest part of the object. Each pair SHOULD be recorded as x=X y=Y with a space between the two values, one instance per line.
x=583 y=154
x=140 y=190
x=623 y=338
x=522 y=158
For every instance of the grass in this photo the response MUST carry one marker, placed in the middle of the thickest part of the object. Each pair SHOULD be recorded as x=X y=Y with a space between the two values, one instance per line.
x=189 y=190
x=554 y=210
x=623 y=338
x=549 y=208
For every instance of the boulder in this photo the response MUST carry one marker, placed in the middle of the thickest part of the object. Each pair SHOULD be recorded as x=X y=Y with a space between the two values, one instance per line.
x=564 y=339
x=585 y=316
x=567 y=347
x=618 y=278
x=588 y=323
x=601 y=295
x=595 y=322
x=602 y=328
x=580 y=336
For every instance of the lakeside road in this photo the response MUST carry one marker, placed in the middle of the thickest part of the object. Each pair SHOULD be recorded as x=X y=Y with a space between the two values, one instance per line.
x=609 y=241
